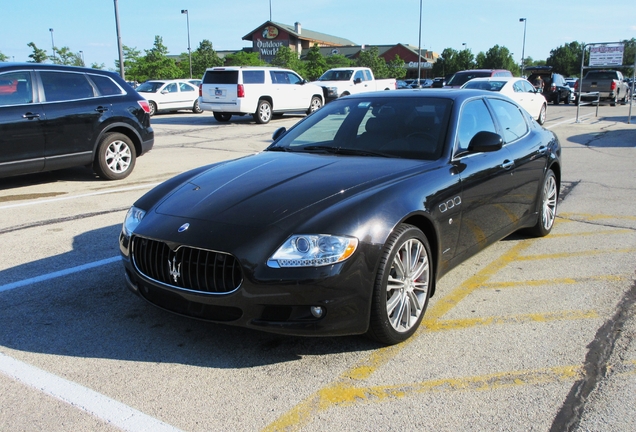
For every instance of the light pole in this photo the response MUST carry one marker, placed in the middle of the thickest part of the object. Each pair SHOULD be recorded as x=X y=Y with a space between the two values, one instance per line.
x=122 y=71
x=82 y=57
x=419 y=53
x=523 y=49
x=185 y=11
x=464 y=45
x=53 y=45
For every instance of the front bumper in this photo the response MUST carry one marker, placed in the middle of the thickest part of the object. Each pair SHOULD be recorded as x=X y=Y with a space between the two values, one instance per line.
x=274 y=300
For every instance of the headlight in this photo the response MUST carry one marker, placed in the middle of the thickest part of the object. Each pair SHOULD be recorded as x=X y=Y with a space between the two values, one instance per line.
x=313 y=250
x=133 y=218
x=332 y=91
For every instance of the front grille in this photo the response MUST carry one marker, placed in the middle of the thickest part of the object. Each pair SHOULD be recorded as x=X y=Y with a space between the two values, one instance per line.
x=186 y=267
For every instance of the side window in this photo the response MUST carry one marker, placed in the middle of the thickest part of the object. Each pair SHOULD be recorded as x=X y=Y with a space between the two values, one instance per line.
x=359 y=75
x=474 y=118
x=527 y=87
x=292 y=78
x=511 y=120
x=171 y=88
x=15 y=88
x=106 y=86
x=367 y=75
x=185 y=88
x=253 y=77
x=61 y=86
x=518 y=87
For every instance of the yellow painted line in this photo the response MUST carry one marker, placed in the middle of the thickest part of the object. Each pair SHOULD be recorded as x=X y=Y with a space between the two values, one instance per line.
x=344 y=394
x=555 y=281
x=574 y=254
x=590 y=233
x=463 y=323
x=595 y=217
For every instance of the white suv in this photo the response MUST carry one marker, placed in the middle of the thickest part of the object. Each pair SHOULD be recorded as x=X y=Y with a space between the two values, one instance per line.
x=260 y=91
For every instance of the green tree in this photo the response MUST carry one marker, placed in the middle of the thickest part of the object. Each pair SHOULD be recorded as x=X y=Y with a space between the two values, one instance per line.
x=98 y=66
x=397 y=68
x=371 y=58
x=38 y=55
x=315 y=63
x=629 y=56
x=497 y=58
x=156 y=64
x=447 y=63
x=3 y=58
x=132 y=63
x=566 y=59
x=64 y=56
x=243 y=58
x=337 y=60
x=465 y=60
x=287 y=58
x=204 y=57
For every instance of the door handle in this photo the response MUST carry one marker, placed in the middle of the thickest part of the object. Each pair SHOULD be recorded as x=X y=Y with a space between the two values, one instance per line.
x=507 y=164
x=31 y=116
x=101 y=109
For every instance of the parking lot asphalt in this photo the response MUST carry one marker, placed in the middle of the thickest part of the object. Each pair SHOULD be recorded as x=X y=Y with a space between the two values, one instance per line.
x=531 y=334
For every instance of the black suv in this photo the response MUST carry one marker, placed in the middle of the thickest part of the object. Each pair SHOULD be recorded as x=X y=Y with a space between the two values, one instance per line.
x=555 y=89
x=54 y=117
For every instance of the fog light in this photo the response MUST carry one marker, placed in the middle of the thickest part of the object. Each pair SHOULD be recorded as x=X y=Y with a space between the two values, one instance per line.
x=316 y=311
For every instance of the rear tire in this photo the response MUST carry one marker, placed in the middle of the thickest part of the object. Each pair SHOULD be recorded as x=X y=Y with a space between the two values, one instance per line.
x=115 y=157
x=196 y=108
x=153 y=108
x=541 y=118
x=402 y=287
x=263 y=112
x=549 y=195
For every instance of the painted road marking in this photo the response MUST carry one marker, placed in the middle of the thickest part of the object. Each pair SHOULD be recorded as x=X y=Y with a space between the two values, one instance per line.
x=96 y=404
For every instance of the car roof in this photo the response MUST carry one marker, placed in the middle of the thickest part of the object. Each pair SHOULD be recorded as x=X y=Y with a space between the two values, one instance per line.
x=457 y=95
x=48 y=66
x=503 y=78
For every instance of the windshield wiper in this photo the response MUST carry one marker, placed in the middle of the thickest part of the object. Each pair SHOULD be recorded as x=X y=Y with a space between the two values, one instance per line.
x=343 y=151
x=279 y=148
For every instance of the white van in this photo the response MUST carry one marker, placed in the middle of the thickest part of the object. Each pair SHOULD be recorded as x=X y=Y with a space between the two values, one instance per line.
x=259 y=91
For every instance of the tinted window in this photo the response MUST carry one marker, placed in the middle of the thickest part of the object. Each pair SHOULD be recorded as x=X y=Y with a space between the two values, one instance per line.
x=460 y=78
x=150 y=86
x=254 y=77
x=474 y=118
x=220 y=77
x=293 y=78
x=185 y=87
x=278 y=77
x=106 y=86
x=511 y=120
x=15 y=88
x=60 y=86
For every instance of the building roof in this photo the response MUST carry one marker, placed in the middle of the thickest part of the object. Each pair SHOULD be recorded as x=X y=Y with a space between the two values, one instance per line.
x=304 y=34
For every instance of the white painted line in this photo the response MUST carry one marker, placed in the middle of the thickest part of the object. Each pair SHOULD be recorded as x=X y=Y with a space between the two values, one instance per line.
x=50 y=200
x=58 y=274
x=96 y=404
x=573 y=120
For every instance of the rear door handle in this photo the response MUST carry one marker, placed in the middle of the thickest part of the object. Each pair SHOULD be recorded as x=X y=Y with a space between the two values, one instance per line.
x=101 y=109
x=31 y=116
x=507 y=164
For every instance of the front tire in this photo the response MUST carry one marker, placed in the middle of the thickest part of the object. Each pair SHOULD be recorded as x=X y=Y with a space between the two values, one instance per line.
x=402 y=287
x=115 y=157
x=547 y=213
x=263 y=112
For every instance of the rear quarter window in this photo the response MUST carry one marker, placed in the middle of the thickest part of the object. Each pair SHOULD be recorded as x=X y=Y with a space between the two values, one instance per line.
x=220 y=77
x=106 y=86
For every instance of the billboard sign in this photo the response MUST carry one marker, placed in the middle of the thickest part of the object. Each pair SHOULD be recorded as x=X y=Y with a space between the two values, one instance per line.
x=606 y=54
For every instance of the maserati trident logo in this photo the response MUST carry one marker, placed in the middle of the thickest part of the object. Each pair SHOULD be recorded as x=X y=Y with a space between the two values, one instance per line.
x=174 y=268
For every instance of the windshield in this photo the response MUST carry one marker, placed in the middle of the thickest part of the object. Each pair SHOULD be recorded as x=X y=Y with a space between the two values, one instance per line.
x=336 y=75
x=413 y=128
x=149 y=87
x=485 y=85
x=460 y=78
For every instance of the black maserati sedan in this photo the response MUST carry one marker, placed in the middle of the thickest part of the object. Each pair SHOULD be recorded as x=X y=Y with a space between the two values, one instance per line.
x=345 y=223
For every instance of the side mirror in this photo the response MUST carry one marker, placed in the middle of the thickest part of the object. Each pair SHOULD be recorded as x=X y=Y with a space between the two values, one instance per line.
x=357 y=80
x=278 y=133
x=485 y=141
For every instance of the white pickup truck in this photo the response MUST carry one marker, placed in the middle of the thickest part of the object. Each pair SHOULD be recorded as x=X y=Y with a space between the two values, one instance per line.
x=340 y=82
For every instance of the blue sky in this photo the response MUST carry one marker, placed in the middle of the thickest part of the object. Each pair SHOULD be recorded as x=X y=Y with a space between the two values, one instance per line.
x=89 y=25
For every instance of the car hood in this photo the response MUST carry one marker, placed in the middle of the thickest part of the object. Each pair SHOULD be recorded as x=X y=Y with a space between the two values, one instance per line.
x=268 y=187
